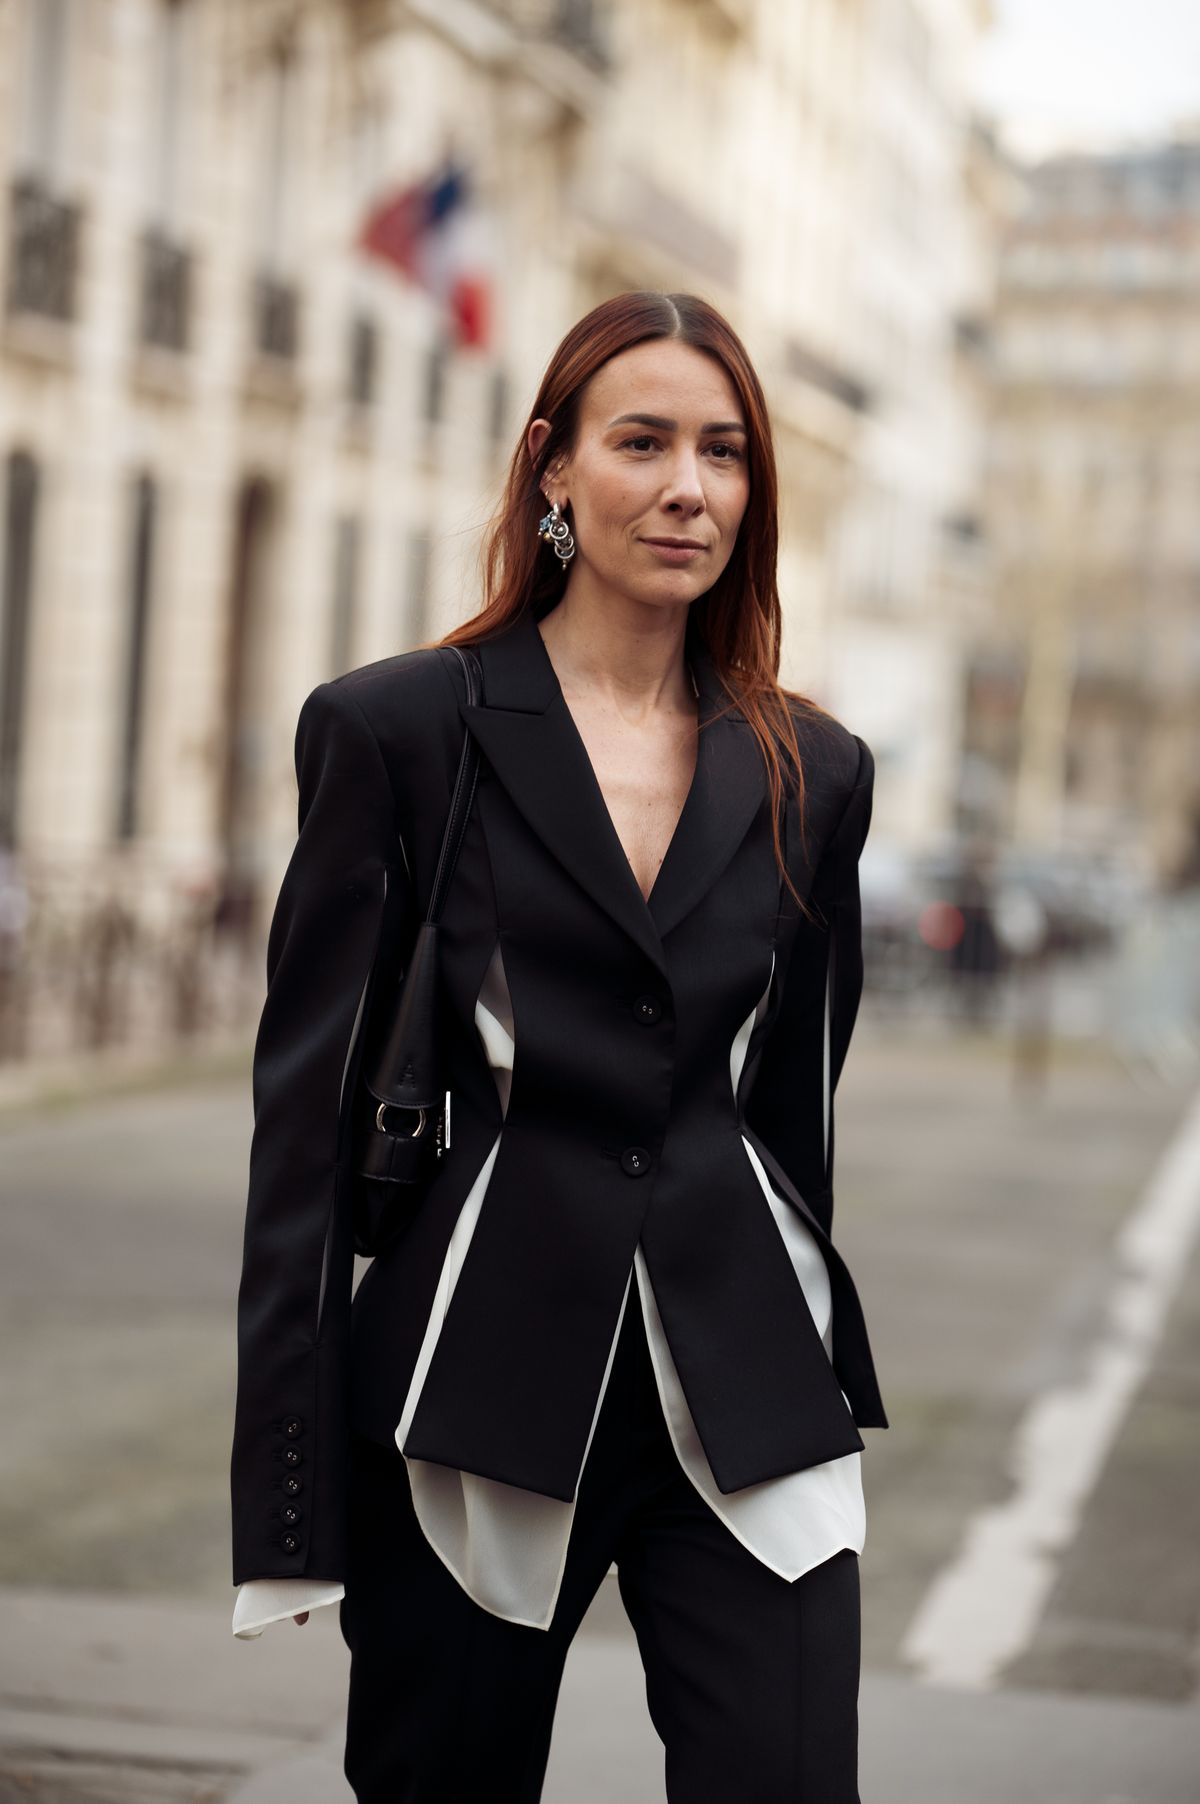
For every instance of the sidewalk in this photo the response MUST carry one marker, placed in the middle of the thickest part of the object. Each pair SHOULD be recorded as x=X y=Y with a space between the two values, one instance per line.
x=93 y=1684
x=918 y=1746
x=114 y=1071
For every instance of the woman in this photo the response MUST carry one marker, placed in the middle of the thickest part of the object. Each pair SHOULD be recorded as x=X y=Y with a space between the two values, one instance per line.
x=616 y=1330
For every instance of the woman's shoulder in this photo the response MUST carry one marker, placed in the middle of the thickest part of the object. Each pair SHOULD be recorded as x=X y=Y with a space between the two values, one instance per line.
x=409 y=696
x=829 y=750
x=839 y=776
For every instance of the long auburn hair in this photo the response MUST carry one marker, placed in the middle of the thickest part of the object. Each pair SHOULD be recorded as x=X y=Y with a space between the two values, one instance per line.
x=739 y=618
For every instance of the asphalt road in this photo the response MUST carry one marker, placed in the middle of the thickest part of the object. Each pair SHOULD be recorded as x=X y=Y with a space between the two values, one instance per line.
x=982 y=1224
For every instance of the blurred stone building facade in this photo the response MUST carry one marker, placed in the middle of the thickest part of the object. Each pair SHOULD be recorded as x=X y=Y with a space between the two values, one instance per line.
x=238 y=459
x=1086 y=714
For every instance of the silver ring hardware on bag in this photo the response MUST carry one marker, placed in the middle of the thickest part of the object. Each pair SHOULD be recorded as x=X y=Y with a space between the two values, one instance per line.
x=379 y=1114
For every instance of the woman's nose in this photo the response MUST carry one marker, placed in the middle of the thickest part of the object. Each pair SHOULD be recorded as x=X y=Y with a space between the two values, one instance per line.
x=684 y=483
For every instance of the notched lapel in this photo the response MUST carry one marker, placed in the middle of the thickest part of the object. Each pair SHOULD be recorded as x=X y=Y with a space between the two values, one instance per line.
x=728 y=789
x=529 y=737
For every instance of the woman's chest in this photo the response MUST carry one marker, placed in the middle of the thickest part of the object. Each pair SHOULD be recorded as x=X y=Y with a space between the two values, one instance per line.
x=643 y=775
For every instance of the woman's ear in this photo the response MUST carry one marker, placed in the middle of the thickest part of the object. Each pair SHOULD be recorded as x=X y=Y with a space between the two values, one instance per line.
x=535 y=438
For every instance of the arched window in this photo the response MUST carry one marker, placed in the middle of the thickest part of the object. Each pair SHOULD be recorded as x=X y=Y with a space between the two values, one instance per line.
x=143 y=521
x=20 y=521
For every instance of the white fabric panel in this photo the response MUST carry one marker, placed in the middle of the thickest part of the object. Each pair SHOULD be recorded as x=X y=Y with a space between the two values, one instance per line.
x=789 y=1523
x=506 y=1546
x=792 y=1522
x=263 y=1601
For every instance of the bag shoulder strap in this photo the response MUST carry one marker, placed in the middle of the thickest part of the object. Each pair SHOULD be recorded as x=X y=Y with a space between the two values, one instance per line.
x=463 y=793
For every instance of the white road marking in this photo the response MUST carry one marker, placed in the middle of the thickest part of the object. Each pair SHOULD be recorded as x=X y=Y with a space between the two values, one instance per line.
x=983 y=1608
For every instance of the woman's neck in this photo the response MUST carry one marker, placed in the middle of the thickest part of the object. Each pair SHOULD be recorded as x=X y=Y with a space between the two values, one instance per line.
x=634 y=658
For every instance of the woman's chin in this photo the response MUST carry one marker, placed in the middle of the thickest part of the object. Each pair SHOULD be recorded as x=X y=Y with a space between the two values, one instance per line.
x=669 y=587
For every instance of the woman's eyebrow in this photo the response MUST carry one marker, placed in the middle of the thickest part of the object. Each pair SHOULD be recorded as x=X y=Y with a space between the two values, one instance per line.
x=665 y=425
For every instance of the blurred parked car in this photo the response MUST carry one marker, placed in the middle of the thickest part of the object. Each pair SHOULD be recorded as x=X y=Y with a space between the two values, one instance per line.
x=931 y=916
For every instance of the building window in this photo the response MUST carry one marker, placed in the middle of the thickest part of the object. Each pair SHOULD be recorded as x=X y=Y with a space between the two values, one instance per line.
x=364 y=359
x=433 y=392
x=346 y=559
x=276 y=301
x=415 y=607
x=498 y=406
x=165 y=266
x=576 y=25
x=43 y=222
x=43 y=251
x=141 y=554
x=276 y=321
x=42 y=142
x=168 y=100
x=277 y=192
x=20 y=520
x=166 y=282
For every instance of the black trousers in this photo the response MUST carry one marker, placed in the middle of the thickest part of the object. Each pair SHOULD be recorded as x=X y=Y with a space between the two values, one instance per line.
x=751 y=1681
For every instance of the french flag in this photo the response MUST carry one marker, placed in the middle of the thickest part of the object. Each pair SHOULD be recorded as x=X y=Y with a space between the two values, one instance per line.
x=435 y=234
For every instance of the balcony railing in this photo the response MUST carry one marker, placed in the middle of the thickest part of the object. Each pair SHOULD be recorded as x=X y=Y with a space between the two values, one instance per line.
x=166 y=292
x=43 y=251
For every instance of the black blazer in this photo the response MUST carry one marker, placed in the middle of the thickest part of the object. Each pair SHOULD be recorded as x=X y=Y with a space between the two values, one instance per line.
x=621 y=1124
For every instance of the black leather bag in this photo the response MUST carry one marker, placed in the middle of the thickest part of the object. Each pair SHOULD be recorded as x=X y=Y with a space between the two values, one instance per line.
x=402 y=1109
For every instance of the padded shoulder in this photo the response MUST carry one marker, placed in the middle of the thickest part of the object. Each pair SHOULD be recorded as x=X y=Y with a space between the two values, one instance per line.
x=832 y=755
x=411 y=699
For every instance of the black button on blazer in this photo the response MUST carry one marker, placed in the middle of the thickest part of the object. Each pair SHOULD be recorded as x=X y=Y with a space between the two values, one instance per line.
x=622 y=1124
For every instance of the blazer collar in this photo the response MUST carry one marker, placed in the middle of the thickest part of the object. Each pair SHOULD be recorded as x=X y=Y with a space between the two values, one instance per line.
x=531 y=741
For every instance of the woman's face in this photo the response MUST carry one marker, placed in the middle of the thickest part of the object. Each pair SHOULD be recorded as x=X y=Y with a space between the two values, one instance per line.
x=661 y=454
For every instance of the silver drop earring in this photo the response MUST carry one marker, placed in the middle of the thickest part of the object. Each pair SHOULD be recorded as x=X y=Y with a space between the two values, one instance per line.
x=554 y=529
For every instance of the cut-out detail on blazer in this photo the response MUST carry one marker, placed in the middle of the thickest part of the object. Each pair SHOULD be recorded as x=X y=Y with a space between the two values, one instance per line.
x=619 y=1125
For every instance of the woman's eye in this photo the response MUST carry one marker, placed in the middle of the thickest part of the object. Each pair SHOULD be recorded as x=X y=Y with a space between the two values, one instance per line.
x=644 y=438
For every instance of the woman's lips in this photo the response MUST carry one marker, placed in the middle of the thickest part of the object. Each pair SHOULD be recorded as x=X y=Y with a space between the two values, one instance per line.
x=675 y=554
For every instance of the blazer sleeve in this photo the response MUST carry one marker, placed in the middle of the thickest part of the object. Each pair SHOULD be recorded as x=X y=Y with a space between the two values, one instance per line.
x=291 y=1433
x=791 y=1104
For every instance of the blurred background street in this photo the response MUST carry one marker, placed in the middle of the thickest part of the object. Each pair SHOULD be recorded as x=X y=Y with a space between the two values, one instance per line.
x=277 y=282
